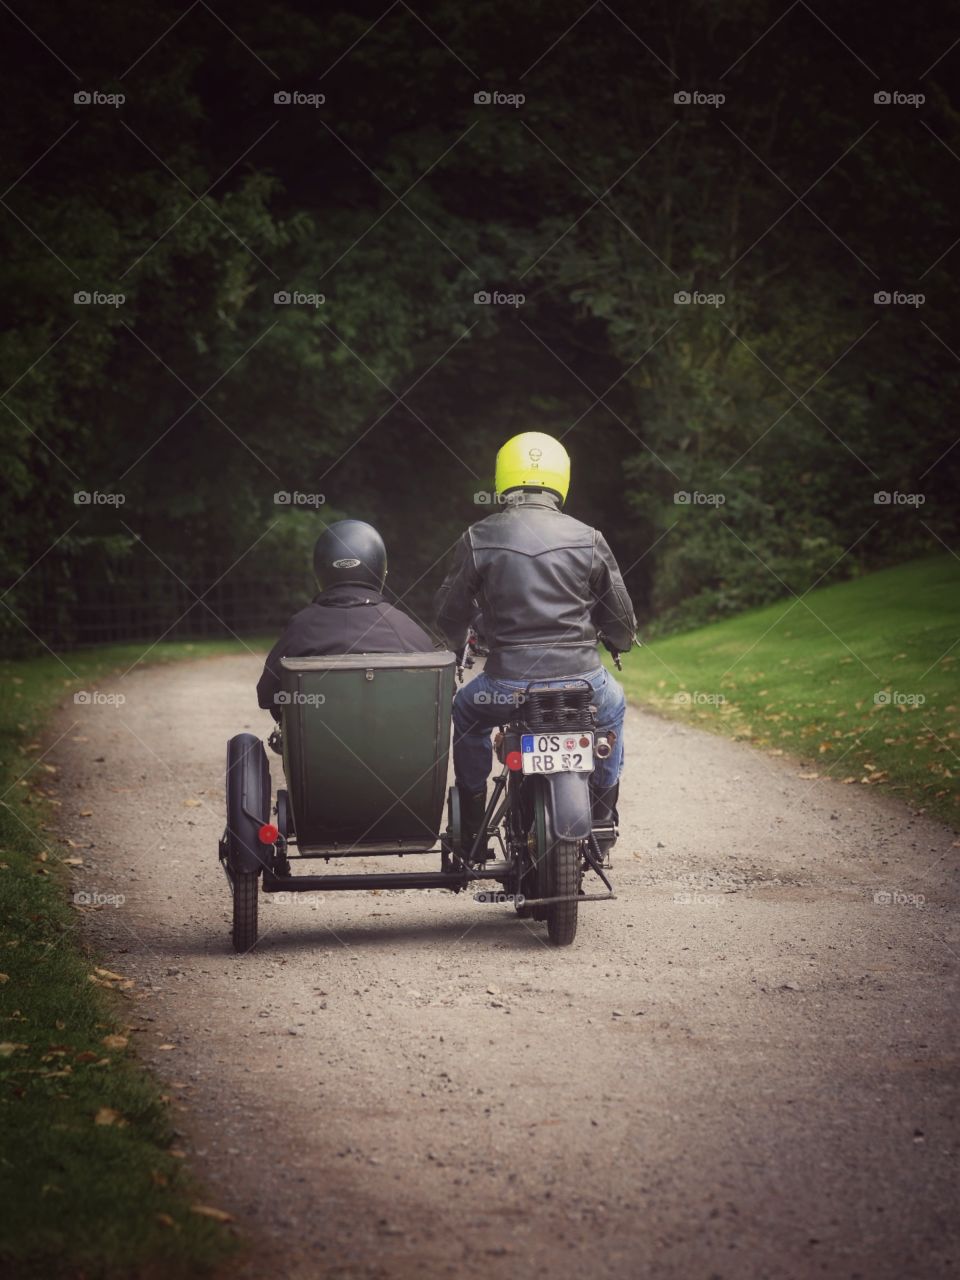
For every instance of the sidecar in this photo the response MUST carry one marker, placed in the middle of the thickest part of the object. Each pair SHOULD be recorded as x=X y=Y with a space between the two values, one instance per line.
x=365 y=744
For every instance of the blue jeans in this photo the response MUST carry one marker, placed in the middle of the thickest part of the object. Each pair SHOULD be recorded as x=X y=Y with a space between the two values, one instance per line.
x=485 y=702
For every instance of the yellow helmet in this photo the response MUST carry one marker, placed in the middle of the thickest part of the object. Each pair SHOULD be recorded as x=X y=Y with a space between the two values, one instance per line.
x=533 y=459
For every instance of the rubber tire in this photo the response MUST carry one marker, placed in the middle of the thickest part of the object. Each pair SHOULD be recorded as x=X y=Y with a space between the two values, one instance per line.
x=559 y=862
x=247 y=786
x=565 y=879
x=246 y=894
x=453 y=819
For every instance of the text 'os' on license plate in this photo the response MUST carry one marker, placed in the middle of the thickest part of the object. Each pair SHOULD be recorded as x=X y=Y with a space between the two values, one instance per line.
x=557 y=752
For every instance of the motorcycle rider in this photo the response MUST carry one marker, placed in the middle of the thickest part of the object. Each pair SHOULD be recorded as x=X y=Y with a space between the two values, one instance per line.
x=350 y=614
x=549 y=588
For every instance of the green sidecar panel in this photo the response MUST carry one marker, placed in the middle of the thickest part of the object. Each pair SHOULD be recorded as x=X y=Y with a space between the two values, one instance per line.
x=366 y=739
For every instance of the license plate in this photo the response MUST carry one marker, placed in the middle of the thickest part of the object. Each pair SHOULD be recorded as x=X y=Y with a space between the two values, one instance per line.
x=557 y=752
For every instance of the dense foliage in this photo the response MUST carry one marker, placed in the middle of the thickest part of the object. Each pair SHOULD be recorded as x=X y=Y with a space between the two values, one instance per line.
x=399 y=198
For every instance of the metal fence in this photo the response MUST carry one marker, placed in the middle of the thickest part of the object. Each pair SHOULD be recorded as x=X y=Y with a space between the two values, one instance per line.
x=68 y=612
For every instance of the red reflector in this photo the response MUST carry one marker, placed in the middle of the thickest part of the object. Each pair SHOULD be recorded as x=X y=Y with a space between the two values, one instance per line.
x=514 y=760
x=584 y=742
x=268 y=833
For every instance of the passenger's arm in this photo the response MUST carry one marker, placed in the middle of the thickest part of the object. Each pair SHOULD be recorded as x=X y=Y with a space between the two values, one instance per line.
x=268 y=685
x=612 y=613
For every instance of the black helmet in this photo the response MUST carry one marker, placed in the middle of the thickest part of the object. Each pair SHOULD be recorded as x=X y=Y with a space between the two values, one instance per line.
x=350 y=551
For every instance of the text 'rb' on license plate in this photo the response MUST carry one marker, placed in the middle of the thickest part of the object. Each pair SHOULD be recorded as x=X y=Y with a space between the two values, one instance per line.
x=557 y=752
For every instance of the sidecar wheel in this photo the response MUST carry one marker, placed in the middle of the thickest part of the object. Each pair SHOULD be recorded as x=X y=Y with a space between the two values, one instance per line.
x=246 y=893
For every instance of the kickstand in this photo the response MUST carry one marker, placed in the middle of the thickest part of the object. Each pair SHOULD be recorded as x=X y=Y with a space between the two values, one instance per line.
x=595 y=857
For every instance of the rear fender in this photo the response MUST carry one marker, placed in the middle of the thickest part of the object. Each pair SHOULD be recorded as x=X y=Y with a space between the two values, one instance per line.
x=568 y=806
x=248 y=803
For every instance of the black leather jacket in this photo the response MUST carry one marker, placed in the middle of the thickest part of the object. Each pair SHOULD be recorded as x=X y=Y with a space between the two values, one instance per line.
x=343 y=619
x=546 y=585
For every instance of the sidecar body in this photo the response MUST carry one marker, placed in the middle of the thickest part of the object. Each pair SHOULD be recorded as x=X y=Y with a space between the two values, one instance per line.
x=365 y=743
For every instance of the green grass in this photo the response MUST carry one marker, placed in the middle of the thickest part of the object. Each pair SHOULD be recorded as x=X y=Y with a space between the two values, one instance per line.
x=803 y=679
x=79 y=1198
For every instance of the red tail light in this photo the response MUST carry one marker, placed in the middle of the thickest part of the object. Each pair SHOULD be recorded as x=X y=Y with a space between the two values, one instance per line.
x=268 y=833
x=514 y=760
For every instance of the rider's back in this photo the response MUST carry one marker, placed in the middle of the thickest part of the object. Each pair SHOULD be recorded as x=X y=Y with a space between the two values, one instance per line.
x=545 y=583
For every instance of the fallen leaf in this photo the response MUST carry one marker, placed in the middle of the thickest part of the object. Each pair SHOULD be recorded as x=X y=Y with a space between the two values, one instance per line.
x=86 y=813
x=115 y=1042
x=7 y=1047
x=107 y=1115
x=165 y=1220
x=208 y=1211
x=193 y=804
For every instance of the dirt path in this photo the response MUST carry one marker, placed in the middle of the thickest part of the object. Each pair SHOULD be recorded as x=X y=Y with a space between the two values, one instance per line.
x=745 y=1067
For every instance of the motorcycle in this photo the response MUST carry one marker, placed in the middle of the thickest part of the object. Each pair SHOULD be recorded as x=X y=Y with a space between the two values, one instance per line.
x=365 y=743
x=540 y=813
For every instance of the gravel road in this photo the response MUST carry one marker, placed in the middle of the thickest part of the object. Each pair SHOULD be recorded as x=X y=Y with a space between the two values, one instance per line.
x=746 y=1066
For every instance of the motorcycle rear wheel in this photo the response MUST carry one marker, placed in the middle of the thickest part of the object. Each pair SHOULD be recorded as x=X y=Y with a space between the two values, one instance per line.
x=560 y=874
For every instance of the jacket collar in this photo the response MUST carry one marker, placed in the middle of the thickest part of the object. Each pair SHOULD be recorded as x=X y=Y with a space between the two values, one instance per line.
x=523 y=498
x=345 y=594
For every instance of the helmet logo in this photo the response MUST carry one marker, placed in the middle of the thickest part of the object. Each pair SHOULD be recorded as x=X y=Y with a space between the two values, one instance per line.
x=346 y=564
x=535 y=455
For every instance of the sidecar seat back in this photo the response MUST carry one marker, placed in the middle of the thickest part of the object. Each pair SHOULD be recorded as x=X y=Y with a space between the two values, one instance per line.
x=366 y=739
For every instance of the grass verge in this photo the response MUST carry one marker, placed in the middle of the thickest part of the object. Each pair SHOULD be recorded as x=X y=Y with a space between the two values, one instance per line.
x=91 y=1182
x=859 y=680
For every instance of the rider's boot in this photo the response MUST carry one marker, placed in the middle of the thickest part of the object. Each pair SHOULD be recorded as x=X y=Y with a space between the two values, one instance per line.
x=473 y=806
x=604 y=805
